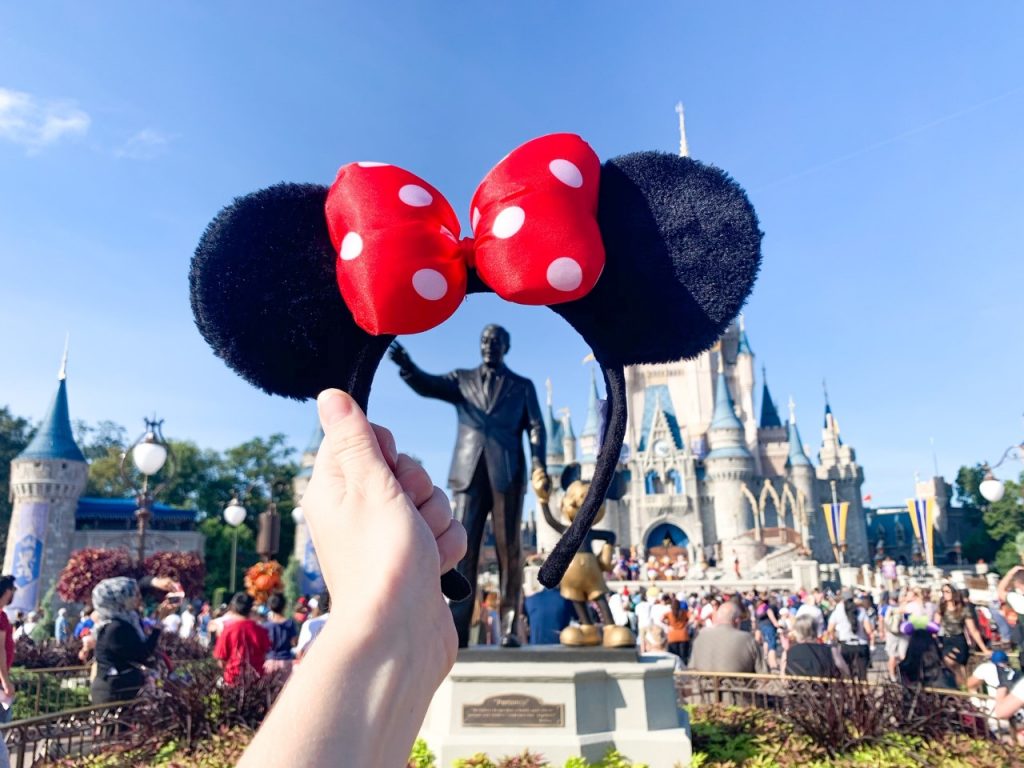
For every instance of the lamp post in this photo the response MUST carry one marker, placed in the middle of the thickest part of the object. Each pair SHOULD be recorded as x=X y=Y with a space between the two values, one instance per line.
x=149 y=454
x=268 y=541
x=991 y=488
x=234 y=515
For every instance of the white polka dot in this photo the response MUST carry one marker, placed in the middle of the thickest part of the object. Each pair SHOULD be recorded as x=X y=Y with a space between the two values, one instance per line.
x=415 y=195
x=566 y=172
x=430 y=284
x=476 y=218
x=351 y=246
x=508 y=222
x=565 y=274
x=371 y=164
x=448 y=233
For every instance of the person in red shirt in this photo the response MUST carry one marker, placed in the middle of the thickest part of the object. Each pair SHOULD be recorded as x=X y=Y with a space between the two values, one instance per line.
x=6 y=646
x=242 y=647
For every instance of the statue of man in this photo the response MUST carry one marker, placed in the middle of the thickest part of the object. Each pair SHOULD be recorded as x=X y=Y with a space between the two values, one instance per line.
x=488 y=473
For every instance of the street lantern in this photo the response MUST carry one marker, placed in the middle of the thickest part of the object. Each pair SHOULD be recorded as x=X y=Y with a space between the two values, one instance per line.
x=298 y=515
x=234 y=515
x=149 y=455
x=992 y=488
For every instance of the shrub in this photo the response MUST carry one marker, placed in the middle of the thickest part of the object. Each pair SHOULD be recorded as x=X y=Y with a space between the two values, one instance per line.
x=421 y=756
x=87 y=568
x=186 y=568
x=48 y=653
x=527 y=759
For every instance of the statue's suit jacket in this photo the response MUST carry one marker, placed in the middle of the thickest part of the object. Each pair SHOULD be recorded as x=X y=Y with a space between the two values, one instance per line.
x=492 y=419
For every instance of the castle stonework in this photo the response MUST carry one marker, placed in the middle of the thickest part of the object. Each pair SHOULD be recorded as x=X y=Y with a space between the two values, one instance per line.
x=47 y=479
x=707 y=477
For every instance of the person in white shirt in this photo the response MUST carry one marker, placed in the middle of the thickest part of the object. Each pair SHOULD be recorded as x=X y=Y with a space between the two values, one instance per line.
x=171 y=623
x=312 y=627
x=992 y=674
x=188 y=623
x=812 y=608
x=656 y=642
x=643 y=617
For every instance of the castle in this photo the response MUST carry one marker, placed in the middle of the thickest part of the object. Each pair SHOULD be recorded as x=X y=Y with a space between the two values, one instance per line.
x=51 y=519
x=705 y=474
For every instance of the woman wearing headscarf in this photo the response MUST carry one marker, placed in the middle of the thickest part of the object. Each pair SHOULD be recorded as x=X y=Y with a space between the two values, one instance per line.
x=121 y=644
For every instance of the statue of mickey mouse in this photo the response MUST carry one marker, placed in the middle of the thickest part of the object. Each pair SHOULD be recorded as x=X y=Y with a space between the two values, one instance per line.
x=584 y=578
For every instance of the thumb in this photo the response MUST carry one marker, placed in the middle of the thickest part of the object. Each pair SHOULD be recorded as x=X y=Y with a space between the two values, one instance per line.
x=350 y=452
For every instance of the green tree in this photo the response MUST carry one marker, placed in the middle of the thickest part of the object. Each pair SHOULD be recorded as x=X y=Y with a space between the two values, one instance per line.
x=263 y=469
x=15 y=433
x=977 y=543
x=219 y=537
x=994 y=525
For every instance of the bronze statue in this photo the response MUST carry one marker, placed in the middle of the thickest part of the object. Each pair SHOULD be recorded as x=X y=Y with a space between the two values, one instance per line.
x=584 y=579
x=488 y=472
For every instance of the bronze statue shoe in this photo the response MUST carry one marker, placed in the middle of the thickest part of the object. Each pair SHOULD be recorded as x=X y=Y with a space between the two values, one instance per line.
x=590 y=634
x=571 y=636
x=618 y=637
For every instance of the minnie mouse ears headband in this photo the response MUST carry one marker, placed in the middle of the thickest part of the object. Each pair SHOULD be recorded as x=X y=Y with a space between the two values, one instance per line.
x=301 y=287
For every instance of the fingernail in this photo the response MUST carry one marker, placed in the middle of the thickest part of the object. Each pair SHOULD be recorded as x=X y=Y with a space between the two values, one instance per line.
x=334 y=406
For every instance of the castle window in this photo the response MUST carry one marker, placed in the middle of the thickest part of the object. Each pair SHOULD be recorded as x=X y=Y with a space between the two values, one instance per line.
x=653 y=484
x=675 y=480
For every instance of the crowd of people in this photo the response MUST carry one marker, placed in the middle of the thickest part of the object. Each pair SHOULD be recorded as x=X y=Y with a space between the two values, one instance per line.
x=120 y=633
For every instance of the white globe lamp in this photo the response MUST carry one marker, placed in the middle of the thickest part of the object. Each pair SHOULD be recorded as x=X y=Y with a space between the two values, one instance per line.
x=992 y=489
x=234 y=513
x=298 y=515
x=149 y=455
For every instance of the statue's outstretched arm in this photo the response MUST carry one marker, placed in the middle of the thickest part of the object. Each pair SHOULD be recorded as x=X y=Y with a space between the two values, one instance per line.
x=445 y=387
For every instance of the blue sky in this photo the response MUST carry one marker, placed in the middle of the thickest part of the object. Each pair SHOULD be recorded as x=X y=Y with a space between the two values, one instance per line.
x=879 y=142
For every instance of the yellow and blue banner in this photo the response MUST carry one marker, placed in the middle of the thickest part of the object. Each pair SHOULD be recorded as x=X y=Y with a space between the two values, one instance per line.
x=922 y=517
x=835 y=521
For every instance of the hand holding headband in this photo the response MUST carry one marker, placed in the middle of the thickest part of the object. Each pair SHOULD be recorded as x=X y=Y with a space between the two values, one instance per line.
x=295 y=304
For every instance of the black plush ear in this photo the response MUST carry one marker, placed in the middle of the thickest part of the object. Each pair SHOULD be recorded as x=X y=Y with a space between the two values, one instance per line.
x=265 y=297
x=570 y=474
x=618 y=487
x=682 y=248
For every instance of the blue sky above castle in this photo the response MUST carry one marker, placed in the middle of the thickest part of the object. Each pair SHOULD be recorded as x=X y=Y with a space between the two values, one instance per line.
x=879 y=144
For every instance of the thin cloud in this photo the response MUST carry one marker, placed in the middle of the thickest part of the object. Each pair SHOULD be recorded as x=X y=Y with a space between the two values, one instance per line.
x=144 y=145
x=35 y=123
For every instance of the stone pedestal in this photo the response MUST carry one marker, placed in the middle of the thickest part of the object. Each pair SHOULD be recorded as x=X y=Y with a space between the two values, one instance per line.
x=806 y=575
x=561 y=702
x=848 y=576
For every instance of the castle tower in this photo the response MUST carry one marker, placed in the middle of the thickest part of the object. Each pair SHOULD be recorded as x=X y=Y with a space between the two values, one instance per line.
x=590 y=435
x=555 y=436
x=803 y=503
x=311 y=581
x=46 y=480
x=729 y=467
x=838 y=464
x=744 y=378
x=568 y=438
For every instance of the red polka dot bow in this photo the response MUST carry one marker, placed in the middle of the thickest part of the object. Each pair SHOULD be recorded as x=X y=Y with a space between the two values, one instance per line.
x=402 y=268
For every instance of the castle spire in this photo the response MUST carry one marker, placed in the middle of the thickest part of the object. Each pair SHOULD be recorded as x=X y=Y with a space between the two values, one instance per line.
x=769 y=414
x=593 y=423
x=63 y=374
x=797 y=456
x=684 y=149
x=831 y=425
x=724 y=416
x=553 y=428
x=55 y=439
x=744 y=343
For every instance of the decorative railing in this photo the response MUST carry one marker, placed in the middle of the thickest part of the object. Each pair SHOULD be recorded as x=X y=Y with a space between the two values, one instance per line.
x=958 y=710
x=51 y=689
x=73 y=733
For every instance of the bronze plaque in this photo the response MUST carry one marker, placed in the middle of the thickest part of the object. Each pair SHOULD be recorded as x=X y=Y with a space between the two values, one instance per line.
x=513 y=710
